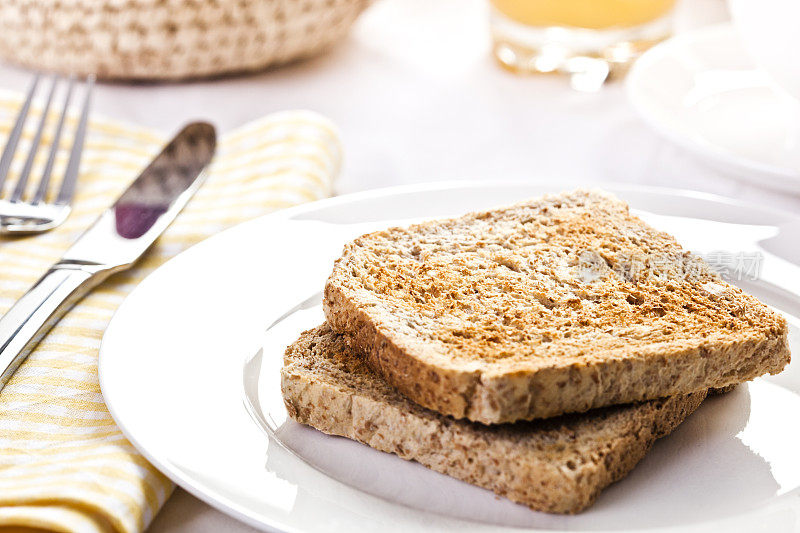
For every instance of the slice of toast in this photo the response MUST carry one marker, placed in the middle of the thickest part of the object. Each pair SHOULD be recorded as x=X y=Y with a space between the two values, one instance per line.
x=560 y=304
x=558 y=465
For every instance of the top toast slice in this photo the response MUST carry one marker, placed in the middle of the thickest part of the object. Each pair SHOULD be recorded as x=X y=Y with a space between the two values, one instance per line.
x=560 y=304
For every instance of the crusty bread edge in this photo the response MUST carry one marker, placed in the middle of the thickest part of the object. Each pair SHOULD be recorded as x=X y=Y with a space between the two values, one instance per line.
x=449 y=392
x=530 y=395
x=500 y=467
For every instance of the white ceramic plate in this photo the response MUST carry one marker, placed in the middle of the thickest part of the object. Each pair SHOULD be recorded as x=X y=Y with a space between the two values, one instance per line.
x=701 y=90
x=178 y=371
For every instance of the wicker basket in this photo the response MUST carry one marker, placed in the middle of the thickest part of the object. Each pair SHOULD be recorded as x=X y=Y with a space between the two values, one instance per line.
x=168 y=39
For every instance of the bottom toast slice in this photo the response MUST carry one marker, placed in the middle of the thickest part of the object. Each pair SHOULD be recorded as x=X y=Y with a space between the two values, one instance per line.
x=558 y=465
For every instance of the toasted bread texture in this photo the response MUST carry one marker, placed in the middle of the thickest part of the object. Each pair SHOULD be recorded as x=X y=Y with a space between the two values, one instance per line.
x=559 y=465
x=561 y=304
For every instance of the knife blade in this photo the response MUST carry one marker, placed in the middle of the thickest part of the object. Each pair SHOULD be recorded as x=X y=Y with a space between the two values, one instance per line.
x=120 y=236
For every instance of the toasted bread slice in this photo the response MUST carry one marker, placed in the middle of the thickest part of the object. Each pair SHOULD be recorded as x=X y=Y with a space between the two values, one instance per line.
x=560 y=304
x=558 y=465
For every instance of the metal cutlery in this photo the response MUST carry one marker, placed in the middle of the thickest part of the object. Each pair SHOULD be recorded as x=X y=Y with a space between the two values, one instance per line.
x=37 y=214
x=112 y=244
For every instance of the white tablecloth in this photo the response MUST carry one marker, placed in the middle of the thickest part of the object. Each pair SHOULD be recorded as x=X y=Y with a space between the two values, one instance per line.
x=418 y=98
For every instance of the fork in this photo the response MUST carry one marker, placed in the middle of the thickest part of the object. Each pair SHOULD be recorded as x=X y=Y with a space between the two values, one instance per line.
x=18 y=216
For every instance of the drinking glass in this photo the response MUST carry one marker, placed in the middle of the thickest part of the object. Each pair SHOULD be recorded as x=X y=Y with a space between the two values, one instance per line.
x=568 y=35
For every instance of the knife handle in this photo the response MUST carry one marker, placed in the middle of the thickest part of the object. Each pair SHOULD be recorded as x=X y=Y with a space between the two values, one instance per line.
x=32 y=316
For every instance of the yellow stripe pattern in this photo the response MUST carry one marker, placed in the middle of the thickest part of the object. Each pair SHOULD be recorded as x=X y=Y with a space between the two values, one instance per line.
x=64 y=465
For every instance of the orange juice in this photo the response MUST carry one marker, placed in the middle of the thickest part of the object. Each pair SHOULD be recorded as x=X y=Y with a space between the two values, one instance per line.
x=589 y=40
x=590 y=14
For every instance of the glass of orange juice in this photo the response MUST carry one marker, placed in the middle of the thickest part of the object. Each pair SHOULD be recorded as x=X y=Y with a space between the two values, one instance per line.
x=544 y=35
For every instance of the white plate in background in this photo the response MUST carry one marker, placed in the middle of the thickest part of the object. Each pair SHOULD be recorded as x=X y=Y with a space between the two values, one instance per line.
x=701 y=90
x=178 y=374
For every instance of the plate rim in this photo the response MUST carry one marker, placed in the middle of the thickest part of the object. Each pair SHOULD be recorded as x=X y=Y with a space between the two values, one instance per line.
x=782 y=178
x=239 y=511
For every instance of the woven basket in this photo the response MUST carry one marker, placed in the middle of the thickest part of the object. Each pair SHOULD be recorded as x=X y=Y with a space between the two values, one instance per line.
x=168 y=39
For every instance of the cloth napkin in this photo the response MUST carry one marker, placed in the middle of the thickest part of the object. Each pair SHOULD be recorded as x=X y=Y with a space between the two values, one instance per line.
x=64 y=465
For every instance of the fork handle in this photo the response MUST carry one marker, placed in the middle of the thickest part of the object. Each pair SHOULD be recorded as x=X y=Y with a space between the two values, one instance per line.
x=32 y=316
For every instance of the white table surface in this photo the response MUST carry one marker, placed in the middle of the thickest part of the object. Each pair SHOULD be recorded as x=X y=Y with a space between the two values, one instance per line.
x=418 y=98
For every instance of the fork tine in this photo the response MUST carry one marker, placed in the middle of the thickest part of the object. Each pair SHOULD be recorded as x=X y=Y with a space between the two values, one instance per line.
x=71 y=174
x=41 y=191
x=16 y=132
x=19 y=190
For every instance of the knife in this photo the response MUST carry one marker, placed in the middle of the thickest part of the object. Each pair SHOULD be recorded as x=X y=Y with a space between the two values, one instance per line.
x=121 y=235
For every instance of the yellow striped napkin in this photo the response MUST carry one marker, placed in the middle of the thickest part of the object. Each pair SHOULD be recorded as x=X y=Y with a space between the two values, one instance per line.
x=64 y=465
